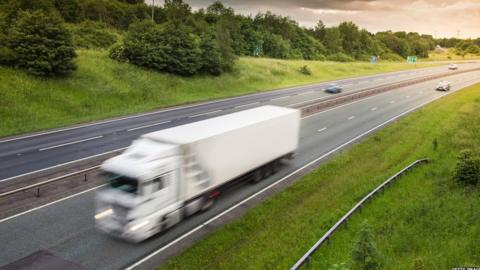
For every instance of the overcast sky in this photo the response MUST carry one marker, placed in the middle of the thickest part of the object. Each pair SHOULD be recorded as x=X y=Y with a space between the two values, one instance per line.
x=443 y=18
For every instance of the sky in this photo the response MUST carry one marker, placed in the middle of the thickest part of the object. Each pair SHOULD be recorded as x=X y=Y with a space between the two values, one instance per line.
x=440 y=18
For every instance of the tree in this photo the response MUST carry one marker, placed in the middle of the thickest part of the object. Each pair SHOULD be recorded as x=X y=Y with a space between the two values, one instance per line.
x=211 y=58
x=224 y=43
x=176 y=11
x=41 y=45
x=364 y=253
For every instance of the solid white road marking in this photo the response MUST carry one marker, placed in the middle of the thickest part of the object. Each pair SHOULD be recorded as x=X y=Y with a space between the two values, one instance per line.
x=245 y=105
x=147 y=126
x=69 y=143
x=200 y=114
x=322 y=129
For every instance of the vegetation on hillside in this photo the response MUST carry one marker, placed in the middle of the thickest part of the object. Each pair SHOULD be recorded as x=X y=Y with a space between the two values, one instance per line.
x=425 y=220
x=207 y=41
x=102 y=87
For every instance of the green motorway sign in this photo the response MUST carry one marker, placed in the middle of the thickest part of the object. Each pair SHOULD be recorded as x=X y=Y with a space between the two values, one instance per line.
x=412 y=59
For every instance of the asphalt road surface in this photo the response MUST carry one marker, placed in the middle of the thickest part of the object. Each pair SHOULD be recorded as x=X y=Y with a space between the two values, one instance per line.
x=27 y=154
x=66 y=228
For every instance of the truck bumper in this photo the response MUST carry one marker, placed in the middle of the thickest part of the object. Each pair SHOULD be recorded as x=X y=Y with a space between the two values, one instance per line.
x=122 y=232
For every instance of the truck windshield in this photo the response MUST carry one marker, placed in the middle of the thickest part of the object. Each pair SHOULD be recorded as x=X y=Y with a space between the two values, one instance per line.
x=121 y=182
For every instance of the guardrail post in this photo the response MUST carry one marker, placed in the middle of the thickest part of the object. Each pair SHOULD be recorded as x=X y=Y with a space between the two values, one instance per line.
x=85 y=180
x=38 y=192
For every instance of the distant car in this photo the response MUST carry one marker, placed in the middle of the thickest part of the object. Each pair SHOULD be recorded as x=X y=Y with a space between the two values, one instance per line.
x=453 y=66
x=443 y=86
x=333 y=89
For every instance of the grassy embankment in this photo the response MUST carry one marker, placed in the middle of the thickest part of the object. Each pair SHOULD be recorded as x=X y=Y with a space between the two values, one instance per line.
x=449 y=54
x=103 y=88
x=424 y=216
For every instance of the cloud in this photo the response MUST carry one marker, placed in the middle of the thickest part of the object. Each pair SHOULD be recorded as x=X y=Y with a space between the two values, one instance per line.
x=445 y=18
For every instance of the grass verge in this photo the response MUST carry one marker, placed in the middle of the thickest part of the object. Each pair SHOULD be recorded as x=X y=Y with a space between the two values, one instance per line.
x=102 y=88
x=424 y=215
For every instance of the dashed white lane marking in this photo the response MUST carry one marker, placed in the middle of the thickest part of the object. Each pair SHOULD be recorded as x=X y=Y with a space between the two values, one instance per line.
x=147 y=126
x=196 y=115
x=393 y=101
x=348 y=84
x=407 y=96
x=249 y=104
x=322 y=129
x=374 y=109
x=280 y=98
x=351 y=117
x=305 y=93
x=69 y=143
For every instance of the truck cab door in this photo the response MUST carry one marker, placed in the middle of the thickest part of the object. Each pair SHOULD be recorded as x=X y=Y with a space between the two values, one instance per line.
x=162 y=191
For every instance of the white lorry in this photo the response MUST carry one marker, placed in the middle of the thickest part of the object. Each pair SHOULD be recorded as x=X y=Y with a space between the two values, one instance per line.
x=170 y=174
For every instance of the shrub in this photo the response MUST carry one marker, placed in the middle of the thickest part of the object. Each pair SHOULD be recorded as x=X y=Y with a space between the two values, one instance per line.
x=467 y=170
x=364 y=253
x=90 y=34
x=340 y=57
x=40 y=44
x=305 y=70
x=117 y=52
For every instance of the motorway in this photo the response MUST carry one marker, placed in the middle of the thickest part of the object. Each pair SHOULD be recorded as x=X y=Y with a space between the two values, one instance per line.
x=27 y=154
x=66 y=228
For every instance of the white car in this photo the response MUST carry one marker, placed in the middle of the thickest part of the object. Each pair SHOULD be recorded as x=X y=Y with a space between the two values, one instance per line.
x=453 y=66
x=443 y=86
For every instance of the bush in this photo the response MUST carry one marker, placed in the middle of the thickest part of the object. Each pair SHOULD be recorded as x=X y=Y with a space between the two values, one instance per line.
x=340 y=57
x=467 y=170
x=305 y=70
x=117 y=52
x=391 y=57
x=90 y=34
x=364 y=253
x=40 y=44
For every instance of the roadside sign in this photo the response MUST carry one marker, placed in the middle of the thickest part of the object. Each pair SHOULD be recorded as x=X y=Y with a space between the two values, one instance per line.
x=257 y=50
x=373 y=59
x=412 y=59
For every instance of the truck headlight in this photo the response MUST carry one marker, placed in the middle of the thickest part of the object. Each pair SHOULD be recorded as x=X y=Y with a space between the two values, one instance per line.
x=103 y=214
x=139 y=225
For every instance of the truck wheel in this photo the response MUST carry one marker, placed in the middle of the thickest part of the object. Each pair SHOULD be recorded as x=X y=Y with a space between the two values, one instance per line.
x=267 y=170
x=275 y=166
x=209 y=202
x=257 y=176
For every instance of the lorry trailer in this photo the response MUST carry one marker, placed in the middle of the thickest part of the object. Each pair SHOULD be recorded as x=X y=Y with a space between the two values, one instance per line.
x=167 y=175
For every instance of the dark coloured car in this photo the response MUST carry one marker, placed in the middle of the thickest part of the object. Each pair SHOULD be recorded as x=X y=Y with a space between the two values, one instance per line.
x=333 y=89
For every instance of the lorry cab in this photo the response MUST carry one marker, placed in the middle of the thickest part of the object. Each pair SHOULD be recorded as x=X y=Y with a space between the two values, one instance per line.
x=140 y=182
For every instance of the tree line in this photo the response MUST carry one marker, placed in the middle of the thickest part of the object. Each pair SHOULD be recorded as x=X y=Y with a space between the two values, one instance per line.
x=41 y=36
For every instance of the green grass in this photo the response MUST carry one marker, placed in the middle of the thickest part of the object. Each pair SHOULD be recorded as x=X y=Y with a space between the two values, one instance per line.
x=102 y=88
x=424 y=215
x=449 y=54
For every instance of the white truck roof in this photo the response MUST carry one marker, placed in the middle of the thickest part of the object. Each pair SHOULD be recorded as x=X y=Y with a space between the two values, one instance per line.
x=200 y=130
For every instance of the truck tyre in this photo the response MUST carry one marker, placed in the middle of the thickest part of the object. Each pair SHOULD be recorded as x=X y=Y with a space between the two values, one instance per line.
x=209 y=202
x=275 y=166
x=257 y=176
